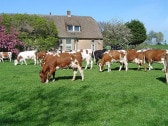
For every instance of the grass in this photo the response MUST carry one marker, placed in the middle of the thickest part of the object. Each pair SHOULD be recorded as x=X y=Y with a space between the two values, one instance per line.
x=132 y=98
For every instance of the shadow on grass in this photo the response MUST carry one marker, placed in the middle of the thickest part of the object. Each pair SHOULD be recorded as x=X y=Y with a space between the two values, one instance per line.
x=67 y=77
x=60 y=106
x=162 y=79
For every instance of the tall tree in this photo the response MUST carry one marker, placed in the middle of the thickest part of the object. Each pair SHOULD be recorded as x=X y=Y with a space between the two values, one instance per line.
x=138 y=31
x=115 y=33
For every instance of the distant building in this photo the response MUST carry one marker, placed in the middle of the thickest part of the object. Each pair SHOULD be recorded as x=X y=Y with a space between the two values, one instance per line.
x=77 y=32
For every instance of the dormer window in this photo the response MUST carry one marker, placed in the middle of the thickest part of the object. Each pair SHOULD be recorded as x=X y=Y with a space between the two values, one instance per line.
x=72 y=28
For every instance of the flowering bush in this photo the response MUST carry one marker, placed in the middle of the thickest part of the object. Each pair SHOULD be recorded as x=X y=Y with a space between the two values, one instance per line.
x=9 y=40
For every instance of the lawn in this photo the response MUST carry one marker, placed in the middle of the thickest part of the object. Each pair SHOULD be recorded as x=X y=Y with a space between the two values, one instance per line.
x=132 y=98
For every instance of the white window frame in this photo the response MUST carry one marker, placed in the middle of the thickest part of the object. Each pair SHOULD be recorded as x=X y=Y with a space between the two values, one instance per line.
x=72 y=28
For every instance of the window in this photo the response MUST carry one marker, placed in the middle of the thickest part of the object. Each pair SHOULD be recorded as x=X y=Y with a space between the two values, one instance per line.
x=72 y=28
x=77 y=28
x=68 y=44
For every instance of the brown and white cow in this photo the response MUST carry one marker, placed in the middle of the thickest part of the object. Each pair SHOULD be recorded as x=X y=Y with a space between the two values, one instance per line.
x=154 y=55
x=136 y=56
x=5 y=55
x=87 y=56
x=114 y=56
x=51 y=63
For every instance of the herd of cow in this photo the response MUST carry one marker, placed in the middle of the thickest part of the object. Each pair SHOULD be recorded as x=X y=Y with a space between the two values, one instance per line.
x=51 y=61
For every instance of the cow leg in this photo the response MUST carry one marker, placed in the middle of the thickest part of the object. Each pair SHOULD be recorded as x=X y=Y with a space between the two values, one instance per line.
x=100 y=67
x=2 y=60
x=35 y=61
x=51 y=72
x=21 y=63
x=81 y=72
x=109 y=66
x=91 y=64
x=48 y=74
x=25 y=62
x=87 y=63
x=121 y=65
x=143 y=64
x=74 y=73
x=96 y=61
x=167 y=78
x=47 y=81
x=53 y=77
x=126 y=65
x=150 y=66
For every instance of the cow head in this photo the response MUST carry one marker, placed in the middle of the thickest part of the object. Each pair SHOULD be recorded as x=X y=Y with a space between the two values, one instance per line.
x=43 y=76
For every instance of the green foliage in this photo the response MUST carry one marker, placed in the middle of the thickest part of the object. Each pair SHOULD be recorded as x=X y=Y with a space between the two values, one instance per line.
x=132 y=98
x=138 y=31
x=32 y=29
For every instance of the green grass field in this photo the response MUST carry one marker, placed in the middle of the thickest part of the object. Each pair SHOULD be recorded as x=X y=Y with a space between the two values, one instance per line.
x=132 y=98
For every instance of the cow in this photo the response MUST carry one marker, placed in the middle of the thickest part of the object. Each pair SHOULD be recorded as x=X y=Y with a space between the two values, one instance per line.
x=114 y=56
x=5 y=55
x=87 y=55
x=136 y=56
x=154 y=55
x=97 y=54
x=63 y=60
x=166 y=67
x=23 y=56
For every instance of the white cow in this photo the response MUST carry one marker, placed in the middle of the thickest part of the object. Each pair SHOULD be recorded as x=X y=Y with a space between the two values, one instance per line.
x=87 y=55
x=23 y=56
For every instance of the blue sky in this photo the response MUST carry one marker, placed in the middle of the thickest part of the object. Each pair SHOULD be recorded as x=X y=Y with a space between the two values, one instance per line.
x=152 y=13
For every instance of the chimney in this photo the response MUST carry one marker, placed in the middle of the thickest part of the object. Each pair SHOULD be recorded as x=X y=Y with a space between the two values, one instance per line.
x=69 y=13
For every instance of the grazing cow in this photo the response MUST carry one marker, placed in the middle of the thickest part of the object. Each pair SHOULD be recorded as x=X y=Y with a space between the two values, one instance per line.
x=87 y=55
x=114 y=56
x=63 y=60
x=23 y=56
x=154 y=55
x=97 y=54
x=166 y=67
x=5 y=55
x=137 y=57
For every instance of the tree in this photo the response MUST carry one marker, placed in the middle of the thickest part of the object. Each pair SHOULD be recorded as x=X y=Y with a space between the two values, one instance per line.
x=138 y=31
x=9 y=40
x=115 y=33
x=157 y=36
x=34 y=30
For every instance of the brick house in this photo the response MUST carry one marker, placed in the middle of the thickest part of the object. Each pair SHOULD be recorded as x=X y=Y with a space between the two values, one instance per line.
x=77 y=32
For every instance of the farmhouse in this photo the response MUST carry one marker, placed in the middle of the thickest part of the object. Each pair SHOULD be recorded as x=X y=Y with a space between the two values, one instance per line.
x=77 y=32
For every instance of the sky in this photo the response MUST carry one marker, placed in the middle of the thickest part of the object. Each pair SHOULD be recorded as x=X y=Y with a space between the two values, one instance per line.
x=152 y=13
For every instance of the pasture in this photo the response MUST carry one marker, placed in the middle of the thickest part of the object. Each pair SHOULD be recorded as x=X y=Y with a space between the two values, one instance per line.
x=132 y=98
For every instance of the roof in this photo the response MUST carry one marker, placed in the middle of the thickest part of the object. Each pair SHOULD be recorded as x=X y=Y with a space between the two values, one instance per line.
x=89 y=27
